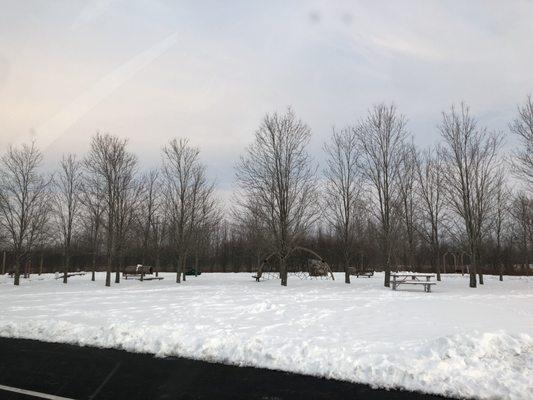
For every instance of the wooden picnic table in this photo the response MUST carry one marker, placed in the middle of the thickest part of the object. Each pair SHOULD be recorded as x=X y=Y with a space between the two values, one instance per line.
x=413 y=279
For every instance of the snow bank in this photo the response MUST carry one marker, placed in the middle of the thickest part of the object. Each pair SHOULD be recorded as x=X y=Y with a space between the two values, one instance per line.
x=456 y=341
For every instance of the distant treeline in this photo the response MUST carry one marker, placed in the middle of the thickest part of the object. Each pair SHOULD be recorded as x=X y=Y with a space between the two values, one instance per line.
x=378 y=202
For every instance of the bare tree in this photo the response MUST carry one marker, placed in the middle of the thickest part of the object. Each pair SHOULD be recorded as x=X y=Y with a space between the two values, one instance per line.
x=128 y=196
x=112 y=166
x=92 y=199
x=249 y=225
x=66 y=204
x=207 y=220
x=343 y=190
x=40 y=224
x=430 y=190
x=522 y=126
x=276 y=177
x=186 y=191
x=381 y=140
x=159 y=236
x=471 y=162
x=521 y=211
x=498 y=220
x=23 y=200
x=149 y=205
x=408 y=200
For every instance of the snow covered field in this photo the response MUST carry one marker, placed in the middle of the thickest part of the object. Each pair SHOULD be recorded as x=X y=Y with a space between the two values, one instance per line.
x=455 y=341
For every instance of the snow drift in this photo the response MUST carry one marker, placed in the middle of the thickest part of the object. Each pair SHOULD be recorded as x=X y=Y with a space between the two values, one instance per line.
x=456 y=341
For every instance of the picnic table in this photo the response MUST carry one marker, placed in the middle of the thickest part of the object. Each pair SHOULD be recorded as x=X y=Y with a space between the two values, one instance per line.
x=413 y=279
x=358 y=273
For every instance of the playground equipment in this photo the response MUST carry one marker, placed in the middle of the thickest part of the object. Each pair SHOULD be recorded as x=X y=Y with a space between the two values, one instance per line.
x=314 y=267
x=458 y=261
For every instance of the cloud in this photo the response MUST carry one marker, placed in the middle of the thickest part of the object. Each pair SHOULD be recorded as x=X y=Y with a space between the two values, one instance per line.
x=91 y=11
x=330 y=60
x=411 y=48
x=52 y=129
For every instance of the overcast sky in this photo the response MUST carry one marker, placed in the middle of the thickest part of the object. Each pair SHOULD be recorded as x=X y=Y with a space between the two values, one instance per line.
x=209 y=70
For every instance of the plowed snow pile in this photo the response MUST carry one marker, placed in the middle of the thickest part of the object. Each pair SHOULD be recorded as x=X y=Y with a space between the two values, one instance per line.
x=455 y=341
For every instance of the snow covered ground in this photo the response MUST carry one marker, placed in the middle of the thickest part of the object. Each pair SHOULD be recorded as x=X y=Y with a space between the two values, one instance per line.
x=455 y=341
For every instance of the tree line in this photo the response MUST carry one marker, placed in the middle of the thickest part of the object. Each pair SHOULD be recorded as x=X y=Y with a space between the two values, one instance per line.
x=378 y=202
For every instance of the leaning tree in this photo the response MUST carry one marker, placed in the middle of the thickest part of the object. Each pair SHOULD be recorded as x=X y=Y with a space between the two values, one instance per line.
x=276 y=178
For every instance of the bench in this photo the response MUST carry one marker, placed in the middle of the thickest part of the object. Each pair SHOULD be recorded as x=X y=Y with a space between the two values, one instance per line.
x=366 y=274
x=59 y=275
x=427 y=285
x=357 y=274
x=142 y=277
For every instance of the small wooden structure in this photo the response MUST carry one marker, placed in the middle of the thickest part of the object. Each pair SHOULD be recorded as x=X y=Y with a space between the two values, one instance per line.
x=139 y=272
x=59 y=275
x=413 y=279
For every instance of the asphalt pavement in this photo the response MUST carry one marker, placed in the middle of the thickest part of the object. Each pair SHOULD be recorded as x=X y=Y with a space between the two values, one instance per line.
x=62 y=371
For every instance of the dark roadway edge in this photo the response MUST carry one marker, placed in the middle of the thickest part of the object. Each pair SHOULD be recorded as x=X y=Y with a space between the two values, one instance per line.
x=93 y=373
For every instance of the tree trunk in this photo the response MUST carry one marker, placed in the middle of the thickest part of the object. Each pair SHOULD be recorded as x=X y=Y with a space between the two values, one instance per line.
x=183 y=269
x=196 y=263
x=178 y=269
x=41 y=262
x=16 y=279
x=473 y=265
x=437 y=265
x=501 y=272
x=283 y=271
x=479 y=270
x=93 y=273
x=157 y=265
x=117 y=271
x=346 y=266
x=4 y=263
x=387 y=253
x=65 y=271
x=387 y=276
x=108 y=271
x=473 y=282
